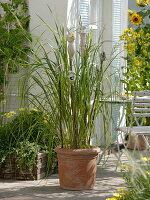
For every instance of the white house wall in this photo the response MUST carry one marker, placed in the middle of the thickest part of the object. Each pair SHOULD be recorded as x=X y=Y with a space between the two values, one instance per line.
x=65 y=11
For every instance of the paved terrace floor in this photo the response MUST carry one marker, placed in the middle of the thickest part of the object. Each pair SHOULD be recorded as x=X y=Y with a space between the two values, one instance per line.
x=107 y=181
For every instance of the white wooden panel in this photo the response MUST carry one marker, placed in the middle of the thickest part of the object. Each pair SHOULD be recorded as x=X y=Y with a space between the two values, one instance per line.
x=142 y=93
x=136 y=129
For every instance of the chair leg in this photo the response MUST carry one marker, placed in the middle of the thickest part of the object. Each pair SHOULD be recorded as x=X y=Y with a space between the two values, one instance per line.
x=146 y=140
x=118 y=156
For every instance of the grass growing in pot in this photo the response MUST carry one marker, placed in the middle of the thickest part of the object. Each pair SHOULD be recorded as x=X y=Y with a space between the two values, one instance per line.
x=70 y=84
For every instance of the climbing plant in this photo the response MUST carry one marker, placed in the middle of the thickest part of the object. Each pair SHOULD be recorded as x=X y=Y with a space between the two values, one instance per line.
x=14 y=36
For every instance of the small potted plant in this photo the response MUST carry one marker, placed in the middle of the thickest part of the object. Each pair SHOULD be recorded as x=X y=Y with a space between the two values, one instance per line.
x=71 y=86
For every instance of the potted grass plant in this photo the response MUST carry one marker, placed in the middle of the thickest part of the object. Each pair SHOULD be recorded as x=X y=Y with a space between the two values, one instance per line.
x=71 y=85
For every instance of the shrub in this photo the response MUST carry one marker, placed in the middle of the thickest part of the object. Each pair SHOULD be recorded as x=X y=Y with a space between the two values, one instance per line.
x=137 y=44
x=29 y=133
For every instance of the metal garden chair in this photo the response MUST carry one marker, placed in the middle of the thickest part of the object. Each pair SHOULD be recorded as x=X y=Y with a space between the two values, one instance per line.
x=140 y=110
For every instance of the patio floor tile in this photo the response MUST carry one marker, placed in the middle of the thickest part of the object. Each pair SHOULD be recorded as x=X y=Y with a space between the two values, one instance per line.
x=108 y=180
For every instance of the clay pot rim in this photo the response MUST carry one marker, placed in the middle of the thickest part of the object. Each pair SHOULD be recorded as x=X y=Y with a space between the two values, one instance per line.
x=90 y=151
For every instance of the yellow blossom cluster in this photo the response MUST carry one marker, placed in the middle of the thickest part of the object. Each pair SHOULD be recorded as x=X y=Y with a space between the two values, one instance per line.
x=46 y=118
x=142 y=3
x=146 y=159
x=117 y=196
x=27 y=109
x=137 y=61
x=133 y=41
x=148 y=173
x=10 y=114
x=130 y=12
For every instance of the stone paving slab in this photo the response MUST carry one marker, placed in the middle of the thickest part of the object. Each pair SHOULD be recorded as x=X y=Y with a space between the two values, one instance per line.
x=108 y=180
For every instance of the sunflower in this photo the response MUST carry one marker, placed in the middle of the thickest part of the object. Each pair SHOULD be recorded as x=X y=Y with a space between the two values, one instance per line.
x=146 y=1
x=142 y=3
x=136 y=19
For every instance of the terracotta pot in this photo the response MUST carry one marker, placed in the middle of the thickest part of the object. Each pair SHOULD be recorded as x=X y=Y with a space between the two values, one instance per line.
x=77 y=168
x=137 y=142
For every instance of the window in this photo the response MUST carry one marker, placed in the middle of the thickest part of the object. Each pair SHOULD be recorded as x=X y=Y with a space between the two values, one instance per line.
x=89 y=10
x=112 y=15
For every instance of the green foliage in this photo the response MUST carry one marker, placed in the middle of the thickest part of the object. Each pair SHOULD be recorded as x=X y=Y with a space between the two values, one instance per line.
x=26 y=154
x=137 y=43
x=138 y=183
x=14 y=37
x=28 y=125
x=30 y=132
x=4 y=143
x=137 y=179
x=74 y=102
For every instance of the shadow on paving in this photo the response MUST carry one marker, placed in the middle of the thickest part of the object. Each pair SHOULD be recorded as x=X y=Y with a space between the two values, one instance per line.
x=107 y=181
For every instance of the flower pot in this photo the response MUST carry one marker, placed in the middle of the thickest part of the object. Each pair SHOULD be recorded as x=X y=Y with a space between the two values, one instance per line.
x=77 y=168
x=137 y=142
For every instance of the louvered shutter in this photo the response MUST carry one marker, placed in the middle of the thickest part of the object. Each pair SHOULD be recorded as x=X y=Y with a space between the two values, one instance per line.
x=118 y=19
x=116 y=69
x=84 y=6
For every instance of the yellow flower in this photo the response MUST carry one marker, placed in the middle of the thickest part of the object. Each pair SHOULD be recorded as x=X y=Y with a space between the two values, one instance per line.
x=34 y=109
x=27 y=108
x=112 y=198
x=46 y=118
x=144 y=52
x=121 y=37
x=117 y=195
x=142 y=69
x=137 y=62
x=145 y=159
x=121 y=189
x=22 y=109
x=131 y=48
x=136 y=19
x=141 y=32
x=72 y=36
x=128 y=30
x=146 y=1
x=130 y=12
x=148 y=172
x=136 y=35
x=130 y=52
x=142 y=3
x=10 y=114
x=147 y=34
x=140 y=42
x=124 y=166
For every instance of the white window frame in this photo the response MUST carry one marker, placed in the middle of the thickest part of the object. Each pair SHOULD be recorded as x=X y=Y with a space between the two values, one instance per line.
x=119 y=24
